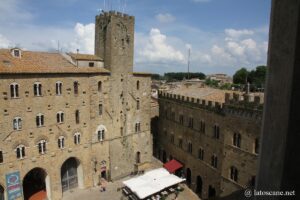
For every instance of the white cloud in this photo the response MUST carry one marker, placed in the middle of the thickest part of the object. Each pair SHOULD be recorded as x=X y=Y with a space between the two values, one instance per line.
x=84 y=38
x=4 y=42
x=156 y=49
x=233 y=33
x=165 y=18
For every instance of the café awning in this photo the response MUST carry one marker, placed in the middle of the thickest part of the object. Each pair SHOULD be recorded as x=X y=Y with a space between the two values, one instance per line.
x=172 y=165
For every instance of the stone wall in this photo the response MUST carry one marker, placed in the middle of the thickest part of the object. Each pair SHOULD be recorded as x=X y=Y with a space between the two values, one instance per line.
x=231 y=117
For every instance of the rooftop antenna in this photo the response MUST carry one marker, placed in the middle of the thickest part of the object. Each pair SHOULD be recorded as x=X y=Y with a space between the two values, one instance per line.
x=189 y=55
x=125 y=6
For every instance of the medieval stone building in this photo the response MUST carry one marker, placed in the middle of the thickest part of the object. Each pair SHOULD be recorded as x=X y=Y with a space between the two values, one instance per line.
x=215 y=135
x=69 y=119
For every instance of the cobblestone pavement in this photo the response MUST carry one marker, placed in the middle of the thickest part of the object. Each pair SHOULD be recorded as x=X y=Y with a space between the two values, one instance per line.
x=111 y=192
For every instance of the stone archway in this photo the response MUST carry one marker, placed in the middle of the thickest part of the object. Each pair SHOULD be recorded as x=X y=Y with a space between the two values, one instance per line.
x=211 y=191
x=1 y=192
x=199 y=186
x=188 y=177
x=71 y=174
x=36 y=185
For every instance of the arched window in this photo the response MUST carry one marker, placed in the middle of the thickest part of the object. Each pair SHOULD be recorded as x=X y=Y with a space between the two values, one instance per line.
x=75 y=87
x=200 y=154
x=14 y=90
x=137 y=127
x=60 y=117
x=138 y=85
x=101 y=135
x=20 y=151
x=77 y=138
x=214 y=161
x=237 y=140
x=42 y=146
x=216 y=131
x=138 y=157
x=39 y=120
x=190 y=147
x=37 y=89
x=234 y=174
x=99 y=86
x=137 y=104
x=58 y=88
x=202 y=126
x=61 y=142
x=17 y=123
x=77 y=117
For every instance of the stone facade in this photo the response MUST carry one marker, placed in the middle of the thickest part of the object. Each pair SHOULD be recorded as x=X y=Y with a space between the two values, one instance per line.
x=120 y=108
x=196 y=131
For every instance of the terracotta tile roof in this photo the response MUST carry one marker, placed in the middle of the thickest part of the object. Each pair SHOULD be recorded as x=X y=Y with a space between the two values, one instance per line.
x=198 y=91
x=40 y=62
x=78 y=56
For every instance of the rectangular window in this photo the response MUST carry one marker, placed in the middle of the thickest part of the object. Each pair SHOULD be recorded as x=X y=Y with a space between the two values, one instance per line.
x=77 y=117
x=91 y=64
x=1 y=157
x=181 y=119
x=202 y=126
x=256 y=146
x=75 y=87
x=121 y=131
x=100 y=109
x=191 y=122
x=172 y=138
x=180 y=143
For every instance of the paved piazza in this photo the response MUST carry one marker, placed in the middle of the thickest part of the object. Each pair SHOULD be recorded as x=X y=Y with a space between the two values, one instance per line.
x=112 y=192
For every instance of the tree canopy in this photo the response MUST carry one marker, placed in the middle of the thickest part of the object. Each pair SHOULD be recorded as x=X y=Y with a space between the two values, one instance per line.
x=256 y=77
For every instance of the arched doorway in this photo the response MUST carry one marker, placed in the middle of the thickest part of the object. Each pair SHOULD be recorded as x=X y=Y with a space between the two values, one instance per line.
x=188 y=177
x=71 y=174
x=211 y=191
x=138 y=157
x=1 y=193
x=164 y=156
x=36 y=185
x=199 y=186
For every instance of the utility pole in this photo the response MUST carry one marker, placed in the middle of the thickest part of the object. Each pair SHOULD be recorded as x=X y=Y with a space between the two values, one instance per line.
x=189 y=55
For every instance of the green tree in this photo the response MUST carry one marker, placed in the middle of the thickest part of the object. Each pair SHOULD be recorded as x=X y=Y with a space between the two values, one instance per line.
x=240 y=76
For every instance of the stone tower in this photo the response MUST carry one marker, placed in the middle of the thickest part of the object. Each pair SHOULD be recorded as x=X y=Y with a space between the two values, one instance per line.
x=114 y=42
x=114 y=37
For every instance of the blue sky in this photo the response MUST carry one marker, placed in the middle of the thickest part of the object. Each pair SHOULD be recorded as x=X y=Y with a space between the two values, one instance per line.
x=223 y=35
